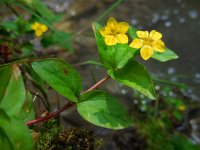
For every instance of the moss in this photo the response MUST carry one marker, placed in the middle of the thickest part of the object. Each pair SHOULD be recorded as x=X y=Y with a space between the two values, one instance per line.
x=75 y=139
x=51 y=136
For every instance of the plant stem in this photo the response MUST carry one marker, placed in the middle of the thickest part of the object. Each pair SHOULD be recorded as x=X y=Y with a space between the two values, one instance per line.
x=156 y=107
x=181 y=85
x=99 y=83
x=66 y=106
x=52 y=115
x=106 y=12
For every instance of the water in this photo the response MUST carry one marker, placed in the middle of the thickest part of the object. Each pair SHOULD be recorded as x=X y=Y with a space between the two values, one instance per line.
x=179 y=22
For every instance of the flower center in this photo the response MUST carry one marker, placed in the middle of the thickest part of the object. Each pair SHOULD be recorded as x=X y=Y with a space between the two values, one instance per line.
x=147 y=41
x=114 y=31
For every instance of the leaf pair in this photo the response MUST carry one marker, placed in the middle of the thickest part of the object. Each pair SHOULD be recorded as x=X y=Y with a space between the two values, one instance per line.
x=96 y=107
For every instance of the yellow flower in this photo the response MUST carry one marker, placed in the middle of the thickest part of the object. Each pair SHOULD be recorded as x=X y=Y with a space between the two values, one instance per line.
x=115 y=32
x=182 y=108
x=39 y=28
x=148 y=42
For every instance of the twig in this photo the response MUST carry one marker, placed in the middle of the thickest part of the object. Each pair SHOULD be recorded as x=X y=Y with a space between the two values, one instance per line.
x=97 y=84
x=66 y=106
x=45 y=103
x=52 y=115
x=106 y=12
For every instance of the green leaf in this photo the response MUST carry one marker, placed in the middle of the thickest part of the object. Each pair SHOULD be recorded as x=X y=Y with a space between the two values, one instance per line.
x=120 y=54
x=60 y=76
x=12 y=91
x=27 y=111
x=37 y=81
x=41 y=8
x=27 y=50
x=165 y=56
x=132 y=32
x=9 y=25
x=58 y=38
x=3 y=115
x=103 y=110
x=5 y=75
x=112 y=57
x=16 y=134
x=135 y=76
x=5 y=143
x=183 y=143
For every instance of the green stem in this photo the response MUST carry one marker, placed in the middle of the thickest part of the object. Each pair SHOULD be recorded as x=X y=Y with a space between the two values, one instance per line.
x=156 y=107
x=169 y=82
x=106 y=12
x=27 y=60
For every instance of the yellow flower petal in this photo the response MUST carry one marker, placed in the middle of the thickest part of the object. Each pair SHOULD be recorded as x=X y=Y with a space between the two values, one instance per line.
x=146 y=52
x=38 y=33
x=159 y=46
x=35 y=26
x=110 y=40
x=105 y=31
x=43 y=28
x=122 y=27
x=155 y=35
x=136 y=43
x=182 y=108
x=111 y=23
x=142 y=34
x=122 y=38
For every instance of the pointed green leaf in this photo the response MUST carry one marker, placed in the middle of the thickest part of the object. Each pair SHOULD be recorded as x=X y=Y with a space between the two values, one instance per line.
x=165 y=56
x=135 y=76
x=103 y=110
x=15 y=134
x=5 y=75
x=12 y=89
x=9 y=25
x=5 y=142
x=132 y=32
x=41 y=8
x=58 y=38
x=62 y=77
x=4 y=115
x=27 y=111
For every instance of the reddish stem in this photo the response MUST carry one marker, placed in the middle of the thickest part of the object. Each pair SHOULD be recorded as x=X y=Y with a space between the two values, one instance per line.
x=99 y=83
x=66 y=106
x=51 y=115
